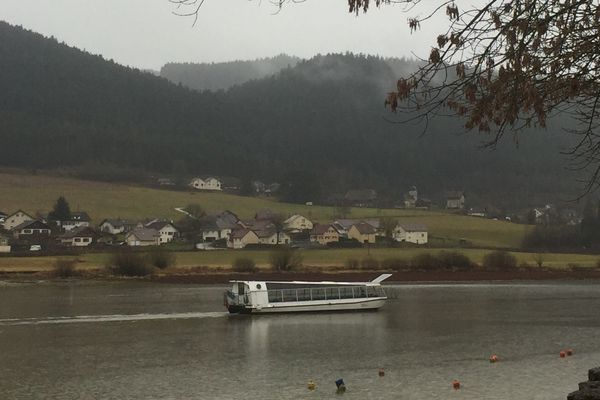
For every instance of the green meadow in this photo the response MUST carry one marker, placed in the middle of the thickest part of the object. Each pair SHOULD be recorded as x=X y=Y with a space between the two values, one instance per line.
x=37 y=194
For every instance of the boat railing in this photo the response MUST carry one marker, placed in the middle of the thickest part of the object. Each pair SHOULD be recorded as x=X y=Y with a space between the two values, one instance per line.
x=324 y=293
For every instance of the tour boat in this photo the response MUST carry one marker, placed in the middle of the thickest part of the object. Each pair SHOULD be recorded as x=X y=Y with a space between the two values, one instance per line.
x=259 y=297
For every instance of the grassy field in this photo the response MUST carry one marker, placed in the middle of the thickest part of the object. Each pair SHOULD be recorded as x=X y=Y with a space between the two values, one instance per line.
x=315 y=258
x=37 y=193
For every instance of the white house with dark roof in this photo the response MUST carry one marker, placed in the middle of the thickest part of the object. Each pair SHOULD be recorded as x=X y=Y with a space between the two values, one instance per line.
x=2 y=217
x=270 y=236
x=411 y=233
x=78 y=219
x=166 y=230
x=15 y=219
x=206 y=183
x=143 y=237
x=82 y=236
x=30 y=229
x=116 y=226
x=455 y=199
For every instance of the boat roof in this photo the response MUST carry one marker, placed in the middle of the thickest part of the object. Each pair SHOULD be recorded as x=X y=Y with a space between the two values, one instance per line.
x=375 y=281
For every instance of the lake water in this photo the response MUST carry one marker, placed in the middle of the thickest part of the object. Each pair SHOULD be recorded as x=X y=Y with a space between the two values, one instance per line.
x=130 y=340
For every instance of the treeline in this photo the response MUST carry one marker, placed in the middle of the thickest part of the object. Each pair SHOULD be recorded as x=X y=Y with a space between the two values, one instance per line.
x=578 y=237
x=318 y=128
x=220 y=76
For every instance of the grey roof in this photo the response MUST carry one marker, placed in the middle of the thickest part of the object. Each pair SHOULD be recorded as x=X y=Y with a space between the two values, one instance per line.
x=414 y=227
x=240 y=233
x=31 y=224
x=158 y=225
x=80 y=216
x=82 y=231
x=454 y=194
x=364 y=228
x=117 y=223
x=144 y=234
x=347 y=223
x=320 y=229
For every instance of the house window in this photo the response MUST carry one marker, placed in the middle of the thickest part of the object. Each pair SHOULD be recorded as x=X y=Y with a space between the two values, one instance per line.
x=87 y=239
x=77 y=240
x=26 y=230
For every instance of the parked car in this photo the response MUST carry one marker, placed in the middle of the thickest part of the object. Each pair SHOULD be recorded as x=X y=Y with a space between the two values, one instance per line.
x=35 y=247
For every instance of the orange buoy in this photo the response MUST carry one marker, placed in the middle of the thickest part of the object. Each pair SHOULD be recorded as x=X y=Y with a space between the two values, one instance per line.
x=311 y=385
x=493 y=358
x=569 y=352
x=456 y=384
x=562 y=354
x=381 y=372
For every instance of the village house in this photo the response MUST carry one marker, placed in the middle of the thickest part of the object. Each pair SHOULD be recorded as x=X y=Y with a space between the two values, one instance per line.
x=297 y=223
x=240 y=238
x=362 y=232
x=455 y=200
x=324 y=234
x=32 y=228
x=343 y=225
x=78 y=219
x=361 y=198
x=143 y=237
x=116 y=226
x=4 y=243
x=166 y=230
x=270 y=236
x=82 y=236
x=217 y=227
x=411 y=233
x=206 y=183
x=16 y=219
x=410 y=198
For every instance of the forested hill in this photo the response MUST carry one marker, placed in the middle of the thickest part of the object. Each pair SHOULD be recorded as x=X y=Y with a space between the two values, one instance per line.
x=320 y=124
x=215 y=76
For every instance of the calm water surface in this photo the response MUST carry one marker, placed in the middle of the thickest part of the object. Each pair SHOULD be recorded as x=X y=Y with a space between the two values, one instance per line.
x=148 y=341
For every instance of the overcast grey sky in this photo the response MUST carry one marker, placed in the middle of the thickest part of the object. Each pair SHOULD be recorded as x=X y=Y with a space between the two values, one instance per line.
x=146 y=34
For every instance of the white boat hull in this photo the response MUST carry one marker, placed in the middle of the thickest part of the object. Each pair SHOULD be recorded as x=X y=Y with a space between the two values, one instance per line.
x=314 y=306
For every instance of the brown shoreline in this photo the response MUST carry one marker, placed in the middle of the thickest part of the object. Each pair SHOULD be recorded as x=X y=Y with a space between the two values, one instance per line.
x=397 y=277
x=214 y=277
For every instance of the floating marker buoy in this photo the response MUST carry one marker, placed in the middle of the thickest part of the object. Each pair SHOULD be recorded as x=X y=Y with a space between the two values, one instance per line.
x=569 y=352
x=456 y=384
x=311 y=385
x=381 y=372
x=562 y=354
x=493 y=358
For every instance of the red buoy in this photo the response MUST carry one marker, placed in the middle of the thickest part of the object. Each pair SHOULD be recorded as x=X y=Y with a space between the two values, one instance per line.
x=381 y=372
x=562 y=354
x=569 y=352
x=493 y=358
x=456 y=384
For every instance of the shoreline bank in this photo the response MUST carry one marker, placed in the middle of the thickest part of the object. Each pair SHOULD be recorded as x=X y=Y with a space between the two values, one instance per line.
x=178 y=276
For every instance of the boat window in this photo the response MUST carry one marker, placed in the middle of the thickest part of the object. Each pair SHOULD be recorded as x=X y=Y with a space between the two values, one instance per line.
x=289 y=294
x=241 y=288
x=258 y=286
x=275 y=296
x=318 y=294
x=332 y=293
x=346 y=293
x=360 y=291
x=304 y=295
x=372 y=292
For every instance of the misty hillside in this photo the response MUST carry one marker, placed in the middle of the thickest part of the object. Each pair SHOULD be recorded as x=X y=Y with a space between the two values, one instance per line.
x=319 y=128
x=216 y=76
